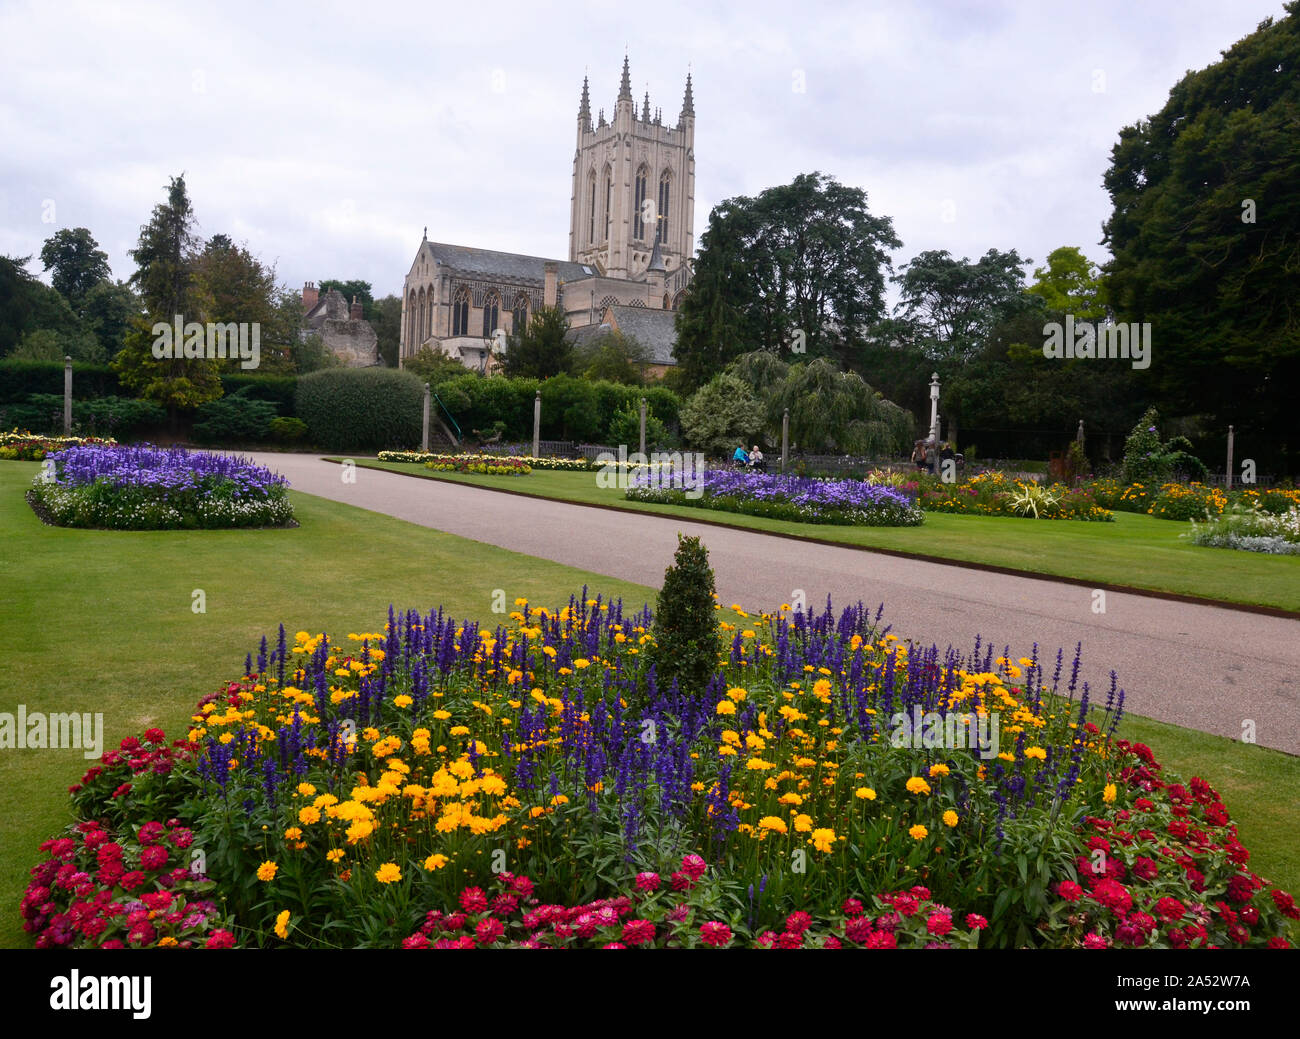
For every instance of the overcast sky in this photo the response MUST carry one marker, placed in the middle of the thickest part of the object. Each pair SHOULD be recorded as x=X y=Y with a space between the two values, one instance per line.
x=326 y=136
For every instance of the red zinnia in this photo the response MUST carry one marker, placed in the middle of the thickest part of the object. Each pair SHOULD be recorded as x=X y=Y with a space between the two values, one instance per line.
x=638 y=932
x=472 y=900
x=489 y=930
x=647 y=881
x=219 y=940
x=715 y=934
x=939 y=924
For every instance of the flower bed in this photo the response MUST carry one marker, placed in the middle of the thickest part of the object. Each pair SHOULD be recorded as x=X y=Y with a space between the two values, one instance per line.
x=481 y=464
x=993 y=494
x=580 y=465
x=805 y=500
x=1186 y=501
x=533 y=785
x=1250 y=530
x=151 y=488
x=29 y=447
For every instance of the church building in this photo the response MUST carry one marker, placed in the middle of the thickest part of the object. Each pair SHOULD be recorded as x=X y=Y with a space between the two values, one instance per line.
x=631 y=240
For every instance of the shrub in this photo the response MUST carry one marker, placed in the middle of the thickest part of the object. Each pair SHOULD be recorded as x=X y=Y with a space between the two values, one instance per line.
x=19 y=379
x=685 y=628
x=1147 y=460
x=234 y=419
x=361 y=408
x=288 y=430
x=721 y=416
x=625 y=428
x=104 y=416
x=280 y=390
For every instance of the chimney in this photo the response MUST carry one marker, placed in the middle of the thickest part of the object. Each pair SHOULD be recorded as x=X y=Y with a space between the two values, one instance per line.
x=355 y=313
x=310 y=296
x=549 y=291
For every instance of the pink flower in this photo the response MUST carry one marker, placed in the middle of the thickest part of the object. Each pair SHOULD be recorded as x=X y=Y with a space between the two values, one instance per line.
x=154 y=856
x=416 y=941
x=939 y=924
x=976 y=922
x=472 y=900
x=1094 y=941
x=638 y=932
x=715 y=934
x=647 y=881
x=798 y=922
x=489 y=930
x=694 y=866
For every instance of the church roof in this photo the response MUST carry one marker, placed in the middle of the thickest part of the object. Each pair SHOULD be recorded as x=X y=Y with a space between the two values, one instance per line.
x=488 y=263
x=656 y=330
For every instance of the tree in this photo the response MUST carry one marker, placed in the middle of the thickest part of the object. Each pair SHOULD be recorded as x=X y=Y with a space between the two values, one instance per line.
x=233 y=285
x=686 y=640
x=800 y=268
x=107 y=311
x=1205 y=237
x=542 y=349
x=722 y=415
x=165 y=257
x=77 y=262
x=166 y=276
x=387 y=321
x=29 y=305
x=836 y=411
x=952 y=304
x=613 y=357
x=1070 y=284
x=433 y=366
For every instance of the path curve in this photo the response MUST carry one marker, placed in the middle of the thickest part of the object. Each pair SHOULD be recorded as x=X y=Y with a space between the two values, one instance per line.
x=1201 y=667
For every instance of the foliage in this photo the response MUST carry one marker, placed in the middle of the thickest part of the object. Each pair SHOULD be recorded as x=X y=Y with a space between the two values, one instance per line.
x=1070 y=284
x=625 y=428
x=77 y=262
x=433 y=366
x=722 y=415
x=29 y=305
x=993 y=494
x=234 y=419
x=801 y=267
x=483 y=466
x=612 y=357
x=1148 y=460
x=953 y=305
x=104 y=416
x=288 y=430
x=838 y=412
x=361 y=408
x=685 y=628
x=1205 y=238
x=543 y=349
x=1250 y=529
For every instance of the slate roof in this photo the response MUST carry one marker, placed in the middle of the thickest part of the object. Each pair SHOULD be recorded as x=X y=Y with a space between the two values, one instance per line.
x=654 y=329
x=488 y=263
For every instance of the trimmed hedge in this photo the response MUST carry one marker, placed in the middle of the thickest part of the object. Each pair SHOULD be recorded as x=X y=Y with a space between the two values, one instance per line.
x=238 y=419
x=20 y=379
x=120 y=417
x=572 y=408
x=350 y=409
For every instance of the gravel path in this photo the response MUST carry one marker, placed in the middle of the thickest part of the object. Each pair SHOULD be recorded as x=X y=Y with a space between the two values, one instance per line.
x=1202 y=667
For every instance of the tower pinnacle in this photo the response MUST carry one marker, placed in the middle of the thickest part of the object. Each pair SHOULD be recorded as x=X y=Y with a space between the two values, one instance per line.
x=625 y=87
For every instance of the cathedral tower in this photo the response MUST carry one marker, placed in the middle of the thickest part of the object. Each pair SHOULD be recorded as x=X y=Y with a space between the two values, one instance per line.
x=633 y=186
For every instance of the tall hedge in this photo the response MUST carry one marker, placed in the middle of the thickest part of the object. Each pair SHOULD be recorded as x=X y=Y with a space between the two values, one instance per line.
x=280 y=390
x=350 y=409
x=572 y=408
x=20 y=379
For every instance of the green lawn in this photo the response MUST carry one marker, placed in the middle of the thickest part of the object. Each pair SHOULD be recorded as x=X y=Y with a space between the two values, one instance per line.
x=1135 y=551
x=101 y=621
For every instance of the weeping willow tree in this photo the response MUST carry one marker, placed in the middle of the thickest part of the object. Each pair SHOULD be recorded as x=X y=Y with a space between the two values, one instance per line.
x=837 y=412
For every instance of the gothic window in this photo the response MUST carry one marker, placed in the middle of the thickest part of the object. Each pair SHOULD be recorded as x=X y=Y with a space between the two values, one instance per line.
x=667 y=306
x=491 y=312
x=591 y=208
x=519 y=316
x=460 y=312
x=662 y=233
x=609 y=198
x=412 y=319
x=677 y=300
x=421 y=331
x=638 y=223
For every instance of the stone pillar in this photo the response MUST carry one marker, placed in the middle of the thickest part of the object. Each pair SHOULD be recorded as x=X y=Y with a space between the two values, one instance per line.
x=549 y=289
x=424 y=442
x=537 y=424
x=643 y=425
x=785 y=439
x=1228 y=477
x=67 y=395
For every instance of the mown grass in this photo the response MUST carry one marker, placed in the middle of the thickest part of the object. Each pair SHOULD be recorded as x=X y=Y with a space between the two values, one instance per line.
x=101 y=621
x=1136 y=551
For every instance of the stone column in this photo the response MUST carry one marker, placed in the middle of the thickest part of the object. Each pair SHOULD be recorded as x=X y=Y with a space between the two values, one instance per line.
x=67 y=395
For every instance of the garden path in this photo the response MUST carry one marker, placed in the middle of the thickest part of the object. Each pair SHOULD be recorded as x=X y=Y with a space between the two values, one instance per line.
x=1202 y=667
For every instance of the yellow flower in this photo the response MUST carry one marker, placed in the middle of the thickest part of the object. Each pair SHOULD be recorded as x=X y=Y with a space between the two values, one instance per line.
x=334 y=854
x=736 y=694
x=865 y=792
x=774 y=823
x=293 y=833
x=790 y=799
x=950 y=818
x=442 y=716
x=803 y=823
x=823 y=839
x=918 y=832
x=1108 y=795
x=1035 y=752
x=388 y=873
x=282 y=924
x=917 y=785
x=402 y=701
x=306 y=789
x=266 y=871
x=938 y=770
x=726 y=707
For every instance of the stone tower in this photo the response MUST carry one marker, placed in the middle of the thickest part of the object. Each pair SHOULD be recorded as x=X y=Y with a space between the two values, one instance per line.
x=633 y=186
